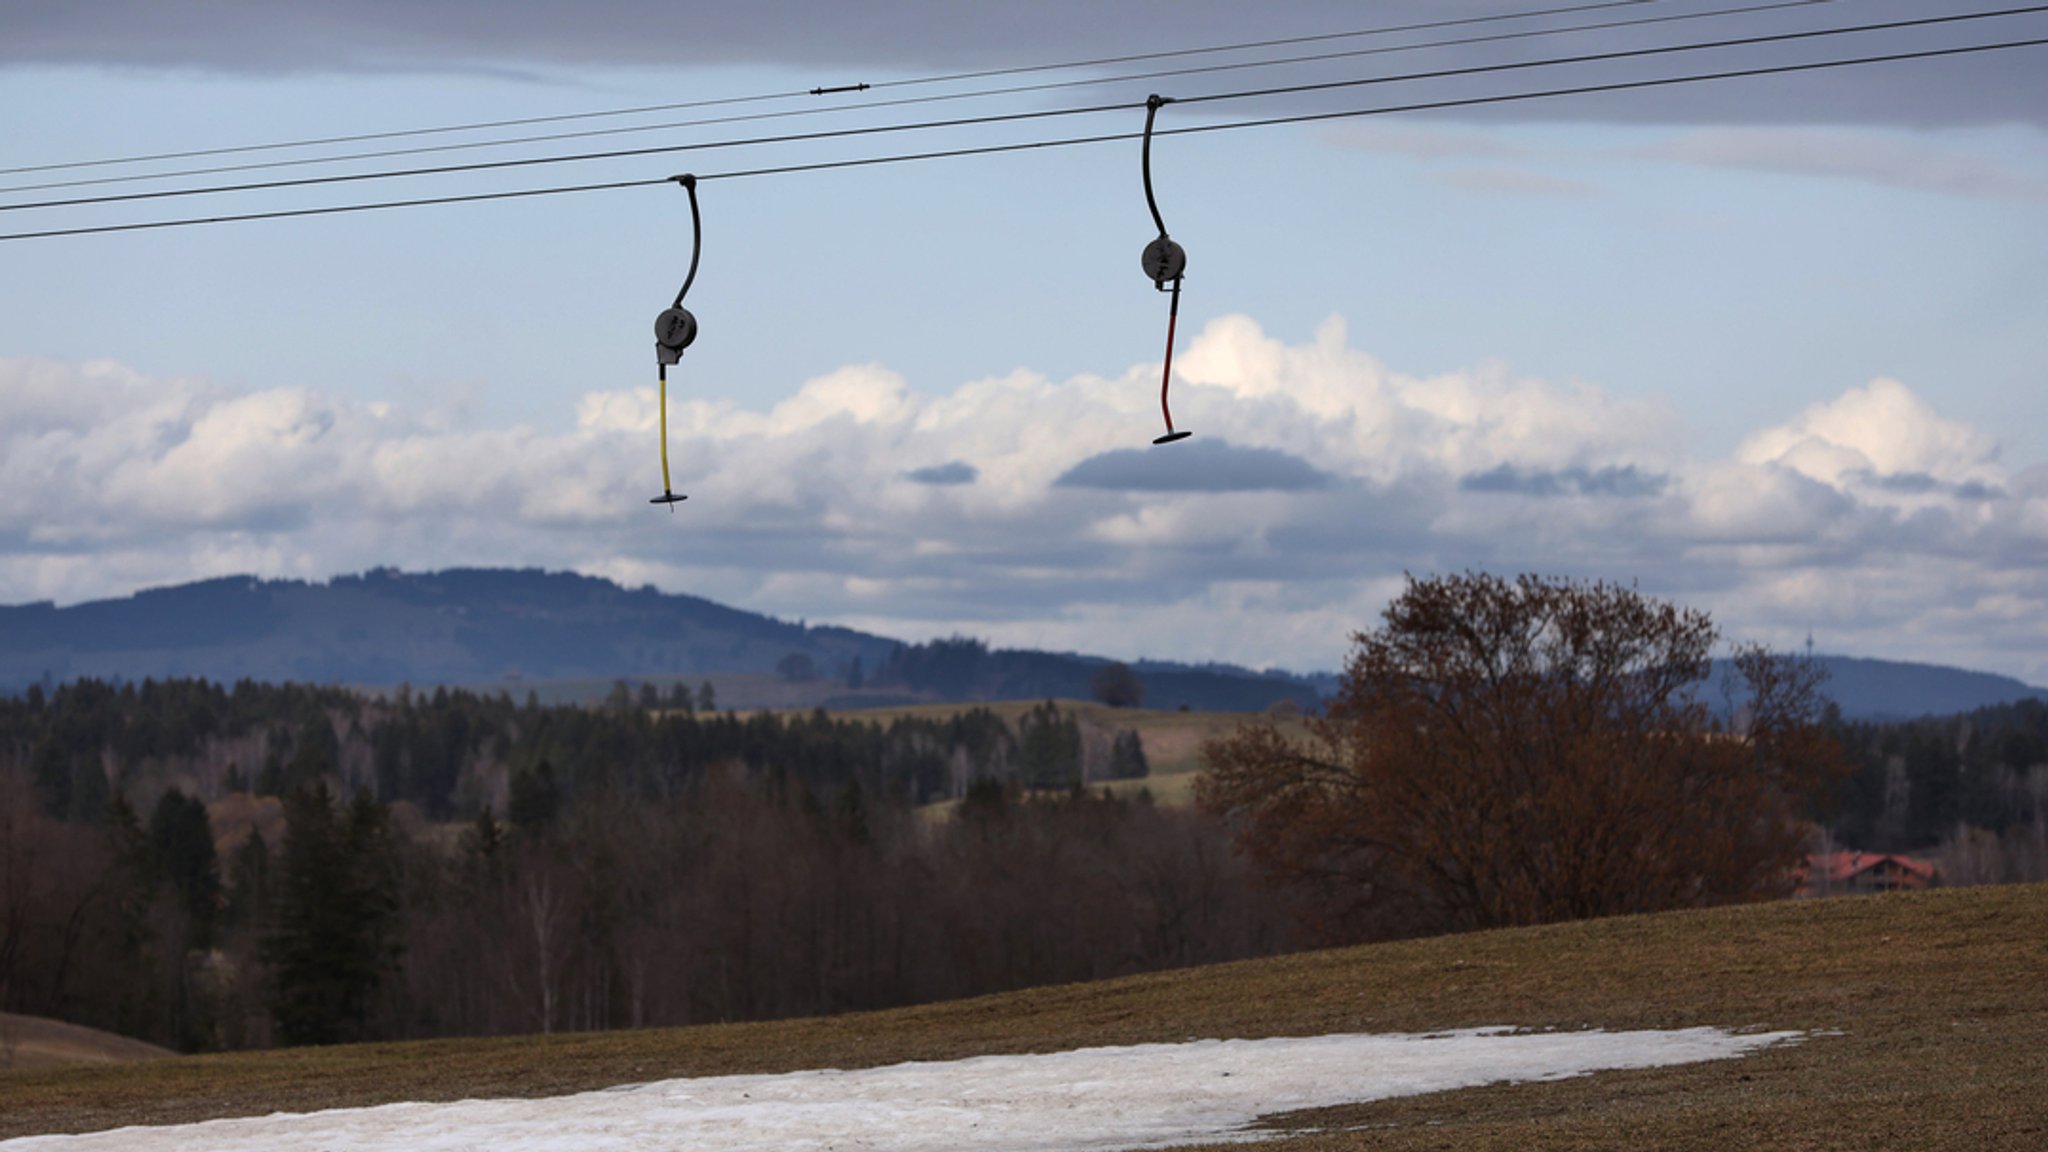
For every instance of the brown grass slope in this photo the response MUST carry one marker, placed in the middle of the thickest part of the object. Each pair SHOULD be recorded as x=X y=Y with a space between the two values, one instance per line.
x=32 y=1042
x=1929 y=1015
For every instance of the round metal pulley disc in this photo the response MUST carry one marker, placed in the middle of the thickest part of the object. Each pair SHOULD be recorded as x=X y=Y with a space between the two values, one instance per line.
x=1164 y=260
x=675 y=328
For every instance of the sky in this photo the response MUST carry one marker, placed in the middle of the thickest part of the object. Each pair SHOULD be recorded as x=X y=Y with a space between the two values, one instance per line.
x=1773 y=347
x=1089 y=1100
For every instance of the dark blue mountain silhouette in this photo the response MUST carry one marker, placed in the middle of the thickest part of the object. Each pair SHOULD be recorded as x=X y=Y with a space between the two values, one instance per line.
x=479 y=626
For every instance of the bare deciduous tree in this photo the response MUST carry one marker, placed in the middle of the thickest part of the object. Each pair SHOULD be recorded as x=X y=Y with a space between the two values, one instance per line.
x=1513 y=752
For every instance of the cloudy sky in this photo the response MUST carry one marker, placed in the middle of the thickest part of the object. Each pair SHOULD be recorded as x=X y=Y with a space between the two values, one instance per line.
x=1776 y=347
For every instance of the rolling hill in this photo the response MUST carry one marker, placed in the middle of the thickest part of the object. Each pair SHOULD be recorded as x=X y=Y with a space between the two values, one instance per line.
x=33 y=1043
x=571 y=636
x=517 y=628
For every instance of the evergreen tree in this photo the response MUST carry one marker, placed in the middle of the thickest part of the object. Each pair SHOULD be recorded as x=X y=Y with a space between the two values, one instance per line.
x=315 y=753
x=181 y=844
x=483 y=846
x=851 y=812
x=620 y=698
x=1127 y=757
x=90 y=795
x=249 y=882
x=51 y=770
x=334 y=939
x=131 y=885
x=1049 y=747
x=535 y=800
x=985 y=800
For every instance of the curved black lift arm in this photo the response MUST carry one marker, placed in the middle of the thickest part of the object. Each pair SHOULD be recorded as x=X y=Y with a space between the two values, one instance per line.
x=1163 y=261
x=674 y=330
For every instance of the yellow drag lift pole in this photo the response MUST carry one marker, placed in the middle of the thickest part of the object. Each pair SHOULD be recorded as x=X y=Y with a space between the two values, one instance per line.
x=674 y=330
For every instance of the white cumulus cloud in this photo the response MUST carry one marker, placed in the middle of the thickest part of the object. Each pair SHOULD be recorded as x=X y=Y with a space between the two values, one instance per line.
x=1317 y=477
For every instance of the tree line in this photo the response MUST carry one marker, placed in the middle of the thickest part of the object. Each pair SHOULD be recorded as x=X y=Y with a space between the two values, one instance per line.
x=449 y=753
x=1970 y=789
x=676 y=867
x=738 y=898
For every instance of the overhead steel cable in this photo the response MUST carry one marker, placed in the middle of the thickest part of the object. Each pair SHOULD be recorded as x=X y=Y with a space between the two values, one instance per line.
x=1385 y=110
x=1096 y=81
x=1278 y=42
x=1020 y=117
x=983 y=74
x=398 y=134
x=993 y=149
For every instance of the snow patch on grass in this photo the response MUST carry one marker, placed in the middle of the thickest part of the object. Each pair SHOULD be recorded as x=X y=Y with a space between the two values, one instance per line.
x=1090 y=1100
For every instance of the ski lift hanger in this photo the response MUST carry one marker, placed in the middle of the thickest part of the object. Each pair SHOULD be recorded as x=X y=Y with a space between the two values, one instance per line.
x=1163 y=261
x=674 y=330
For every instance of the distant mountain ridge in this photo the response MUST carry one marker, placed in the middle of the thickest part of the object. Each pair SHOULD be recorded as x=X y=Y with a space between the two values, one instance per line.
x=1869 y=689
x=493 y=626
x=505 y=627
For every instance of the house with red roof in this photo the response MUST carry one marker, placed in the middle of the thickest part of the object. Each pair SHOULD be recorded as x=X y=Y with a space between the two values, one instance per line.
x=1860 y=873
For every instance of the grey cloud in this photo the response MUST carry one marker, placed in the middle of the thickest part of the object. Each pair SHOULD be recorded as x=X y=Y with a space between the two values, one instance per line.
x=1915 y=164
x=1904 y=483
x=1924 y=484
x=1194 y=466
x=949 y=474
x=1626 y=480
x=846 y=42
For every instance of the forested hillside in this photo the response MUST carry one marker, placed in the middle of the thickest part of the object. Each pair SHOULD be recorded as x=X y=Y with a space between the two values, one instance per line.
x=486 y=628
x=386 y=627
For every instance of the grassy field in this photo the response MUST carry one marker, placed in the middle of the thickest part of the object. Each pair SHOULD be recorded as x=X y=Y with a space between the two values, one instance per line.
x=32 y=1043
x=1927 y=1017
x=1172 y=739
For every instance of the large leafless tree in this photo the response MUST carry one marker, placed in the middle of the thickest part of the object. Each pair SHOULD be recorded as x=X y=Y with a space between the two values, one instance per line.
x=1519 y=751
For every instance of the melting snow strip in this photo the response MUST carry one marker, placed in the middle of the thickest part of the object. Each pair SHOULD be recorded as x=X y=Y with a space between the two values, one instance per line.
x=1091 y=1100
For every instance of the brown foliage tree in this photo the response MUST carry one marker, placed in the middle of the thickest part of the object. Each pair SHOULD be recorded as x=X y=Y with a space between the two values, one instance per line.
x=1116 y=685
x=1515 y=752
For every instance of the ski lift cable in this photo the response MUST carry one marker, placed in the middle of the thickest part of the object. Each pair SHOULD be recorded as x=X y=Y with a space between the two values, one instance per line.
x=909 y=101
x=766 y=97
x=1021 y=117
x=1062 y=142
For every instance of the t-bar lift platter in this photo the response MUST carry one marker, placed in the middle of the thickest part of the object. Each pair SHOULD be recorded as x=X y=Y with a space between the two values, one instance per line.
x=1163 y=261
x=674 y=330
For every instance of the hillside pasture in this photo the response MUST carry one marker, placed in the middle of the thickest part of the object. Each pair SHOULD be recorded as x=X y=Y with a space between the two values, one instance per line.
x=1173 y=739
x=1925 y=1022
x=32 y=1043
